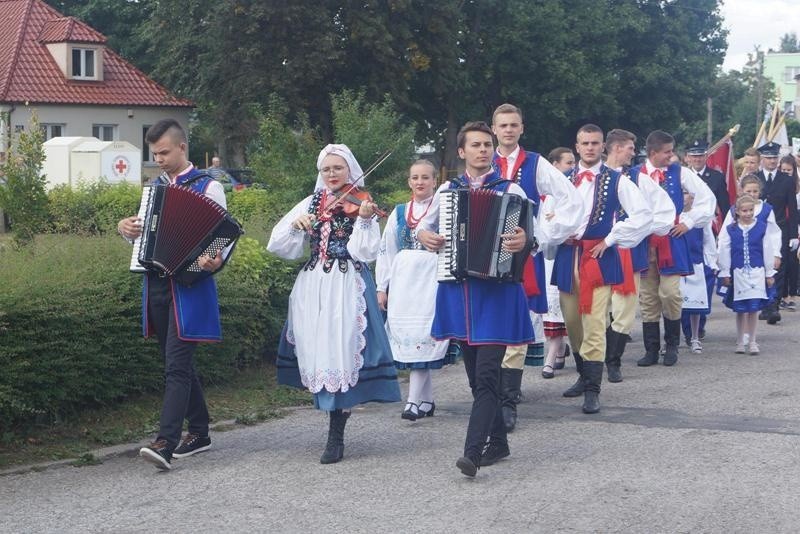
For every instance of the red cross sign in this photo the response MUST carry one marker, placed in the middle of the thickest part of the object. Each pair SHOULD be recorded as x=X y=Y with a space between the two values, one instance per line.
x=121 y=166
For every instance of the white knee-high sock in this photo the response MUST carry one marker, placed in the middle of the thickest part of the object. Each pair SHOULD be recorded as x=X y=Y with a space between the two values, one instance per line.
x=426 y=394
x=416 y=381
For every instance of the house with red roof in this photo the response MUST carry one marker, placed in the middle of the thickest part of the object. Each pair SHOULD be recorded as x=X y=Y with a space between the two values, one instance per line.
x=62 y=69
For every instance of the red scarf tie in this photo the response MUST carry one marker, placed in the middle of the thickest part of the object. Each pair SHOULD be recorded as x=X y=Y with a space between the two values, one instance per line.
x=590 y=275
x=585 y=175
x=628 y=286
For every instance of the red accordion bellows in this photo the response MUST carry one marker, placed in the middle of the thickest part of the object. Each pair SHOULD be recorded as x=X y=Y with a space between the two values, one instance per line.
x=179 y=226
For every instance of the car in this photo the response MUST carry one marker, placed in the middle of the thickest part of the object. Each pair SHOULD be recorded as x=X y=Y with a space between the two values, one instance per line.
x=233 y=179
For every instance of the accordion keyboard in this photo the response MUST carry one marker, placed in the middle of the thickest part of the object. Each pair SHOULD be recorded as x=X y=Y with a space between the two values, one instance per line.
x=135 y=266
x=216 y=247
x=448 y=214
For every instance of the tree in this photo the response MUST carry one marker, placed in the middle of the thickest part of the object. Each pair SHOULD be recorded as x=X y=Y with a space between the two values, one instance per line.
x=789 y=43
x=121 y=21
x=22 y=194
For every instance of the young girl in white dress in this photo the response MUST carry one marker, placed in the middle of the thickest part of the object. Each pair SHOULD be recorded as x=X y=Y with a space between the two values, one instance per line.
x=746 y=271
x=406 y=280
x=698 y=287
x=334 y=343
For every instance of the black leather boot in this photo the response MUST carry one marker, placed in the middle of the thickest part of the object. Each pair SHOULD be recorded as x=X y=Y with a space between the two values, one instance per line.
x=511 y=394
x=672 y=338
x=774 y=314
x=334 y=449
x=592 y=377
x=651 y=333
x=576 y=390
x=615 y=347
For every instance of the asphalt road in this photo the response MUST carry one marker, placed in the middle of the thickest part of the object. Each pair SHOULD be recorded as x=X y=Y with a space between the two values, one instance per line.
x=709 y=445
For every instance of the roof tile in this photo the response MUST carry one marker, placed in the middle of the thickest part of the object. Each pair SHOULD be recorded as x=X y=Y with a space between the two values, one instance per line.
x=28 y=73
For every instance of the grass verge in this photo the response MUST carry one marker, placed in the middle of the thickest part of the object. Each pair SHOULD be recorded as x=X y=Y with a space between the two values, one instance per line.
x=252 y=396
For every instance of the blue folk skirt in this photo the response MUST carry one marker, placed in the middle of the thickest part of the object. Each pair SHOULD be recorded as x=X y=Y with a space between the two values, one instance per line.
x=377 y=378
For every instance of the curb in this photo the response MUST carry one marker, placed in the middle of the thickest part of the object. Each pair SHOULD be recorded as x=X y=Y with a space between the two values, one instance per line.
x=129 y=449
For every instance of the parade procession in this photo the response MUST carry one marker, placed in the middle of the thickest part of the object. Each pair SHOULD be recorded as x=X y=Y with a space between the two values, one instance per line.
x=405 y=266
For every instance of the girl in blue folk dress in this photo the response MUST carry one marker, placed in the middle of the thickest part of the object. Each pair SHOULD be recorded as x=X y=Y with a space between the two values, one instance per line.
x=744 y=273
x=334 y=343
x=698 y=287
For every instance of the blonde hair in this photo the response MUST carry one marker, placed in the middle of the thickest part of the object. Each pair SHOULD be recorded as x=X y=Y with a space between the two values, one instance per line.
x=423 y=161
x=750 y=179
x=743 y=200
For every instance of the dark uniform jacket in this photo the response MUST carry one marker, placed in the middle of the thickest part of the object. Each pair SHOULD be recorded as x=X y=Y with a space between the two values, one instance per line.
x=780 y=193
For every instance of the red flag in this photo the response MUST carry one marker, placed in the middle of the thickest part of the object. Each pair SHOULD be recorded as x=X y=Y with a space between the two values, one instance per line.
x=721 y=159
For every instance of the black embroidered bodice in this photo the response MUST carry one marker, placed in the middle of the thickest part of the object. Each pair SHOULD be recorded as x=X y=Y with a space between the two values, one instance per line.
x=341 y=227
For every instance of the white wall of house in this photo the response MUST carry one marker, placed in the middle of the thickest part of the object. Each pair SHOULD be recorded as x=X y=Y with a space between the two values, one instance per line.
x=122 y=123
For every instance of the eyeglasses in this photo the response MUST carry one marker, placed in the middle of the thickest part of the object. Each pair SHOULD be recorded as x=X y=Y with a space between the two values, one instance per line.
x=336 y=169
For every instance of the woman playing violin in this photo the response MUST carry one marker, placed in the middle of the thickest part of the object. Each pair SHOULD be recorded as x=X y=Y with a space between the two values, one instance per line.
x=334 y=343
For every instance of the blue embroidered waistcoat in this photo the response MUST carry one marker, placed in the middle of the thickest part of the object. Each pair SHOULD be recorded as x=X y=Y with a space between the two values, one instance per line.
x=679 y=248
x=639 y=252
x=341 y=227
x=196 y=308
x=525 y=177
x=605 y=205
x=747 y=248
x=478 y=311
x=405 y=236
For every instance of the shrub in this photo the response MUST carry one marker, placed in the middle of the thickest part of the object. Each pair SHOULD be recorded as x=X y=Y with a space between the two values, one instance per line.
x=91 y=208
x=22 y=193
x=70 y=324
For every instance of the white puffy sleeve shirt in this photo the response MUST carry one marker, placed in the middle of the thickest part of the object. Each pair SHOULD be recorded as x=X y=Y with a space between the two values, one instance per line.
x=288 y=242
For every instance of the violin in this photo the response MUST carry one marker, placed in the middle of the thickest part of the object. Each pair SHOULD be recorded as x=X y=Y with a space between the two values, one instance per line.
x=349 y=200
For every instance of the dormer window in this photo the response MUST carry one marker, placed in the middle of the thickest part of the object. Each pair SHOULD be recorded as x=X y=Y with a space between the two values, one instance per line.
x=84 y=63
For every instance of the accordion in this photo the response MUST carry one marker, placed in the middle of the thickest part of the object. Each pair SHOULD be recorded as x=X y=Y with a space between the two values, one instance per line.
x=471 y=222
x=178 y=226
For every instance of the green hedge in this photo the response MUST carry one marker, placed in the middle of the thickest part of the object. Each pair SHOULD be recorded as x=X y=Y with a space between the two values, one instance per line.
x=70 y=331
x=91 y=208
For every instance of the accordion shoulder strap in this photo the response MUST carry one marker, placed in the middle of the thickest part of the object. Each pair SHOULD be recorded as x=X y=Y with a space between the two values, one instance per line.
x=162 y=179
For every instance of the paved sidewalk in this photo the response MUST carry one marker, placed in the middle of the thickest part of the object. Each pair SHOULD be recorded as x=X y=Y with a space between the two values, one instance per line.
x=710 y=445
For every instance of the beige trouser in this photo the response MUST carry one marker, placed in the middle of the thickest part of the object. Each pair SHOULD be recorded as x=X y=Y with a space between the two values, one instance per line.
x=587 y=331
x=515 y=357
x=659 y=294
x=623 y=308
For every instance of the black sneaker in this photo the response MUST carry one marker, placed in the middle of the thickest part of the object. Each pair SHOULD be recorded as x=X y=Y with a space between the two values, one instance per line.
x=158 y=453
x=493 y=453
x=192 y=444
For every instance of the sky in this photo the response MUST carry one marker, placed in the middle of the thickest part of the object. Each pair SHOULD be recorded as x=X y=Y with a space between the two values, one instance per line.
x=757 y=22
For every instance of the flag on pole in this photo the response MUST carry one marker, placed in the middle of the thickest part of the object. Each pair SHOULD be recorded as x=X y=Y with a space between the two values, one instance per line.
x=721 y=159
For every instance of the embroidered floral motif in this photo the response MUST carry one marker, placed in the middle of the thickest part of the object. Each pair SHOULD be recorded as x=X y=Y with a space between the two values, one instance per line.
x=341 y=227
x=600 y=196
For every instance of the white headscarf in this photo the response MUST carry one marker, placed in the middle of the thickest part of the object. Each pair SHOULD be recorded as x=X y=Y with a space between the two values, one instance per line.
x=349 y=158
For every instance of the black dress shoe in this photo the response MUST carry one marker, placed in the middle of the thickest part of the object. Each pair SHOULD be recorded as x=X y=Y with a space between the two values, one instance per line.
x=467 y=466
x=411 y=413
x=427 y=413
x=493 y=453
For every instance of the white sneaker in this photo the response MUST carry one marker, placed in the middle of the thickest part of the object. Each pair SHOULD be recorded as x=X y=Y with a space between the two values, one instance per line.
x=697 y=347
x=754 y=350
x=739 y=348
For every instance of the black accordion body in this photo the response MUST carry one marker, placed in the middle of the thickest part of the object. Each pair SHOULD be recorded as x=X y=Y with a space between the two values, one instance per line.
x=471 y=222
x=178 y=226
